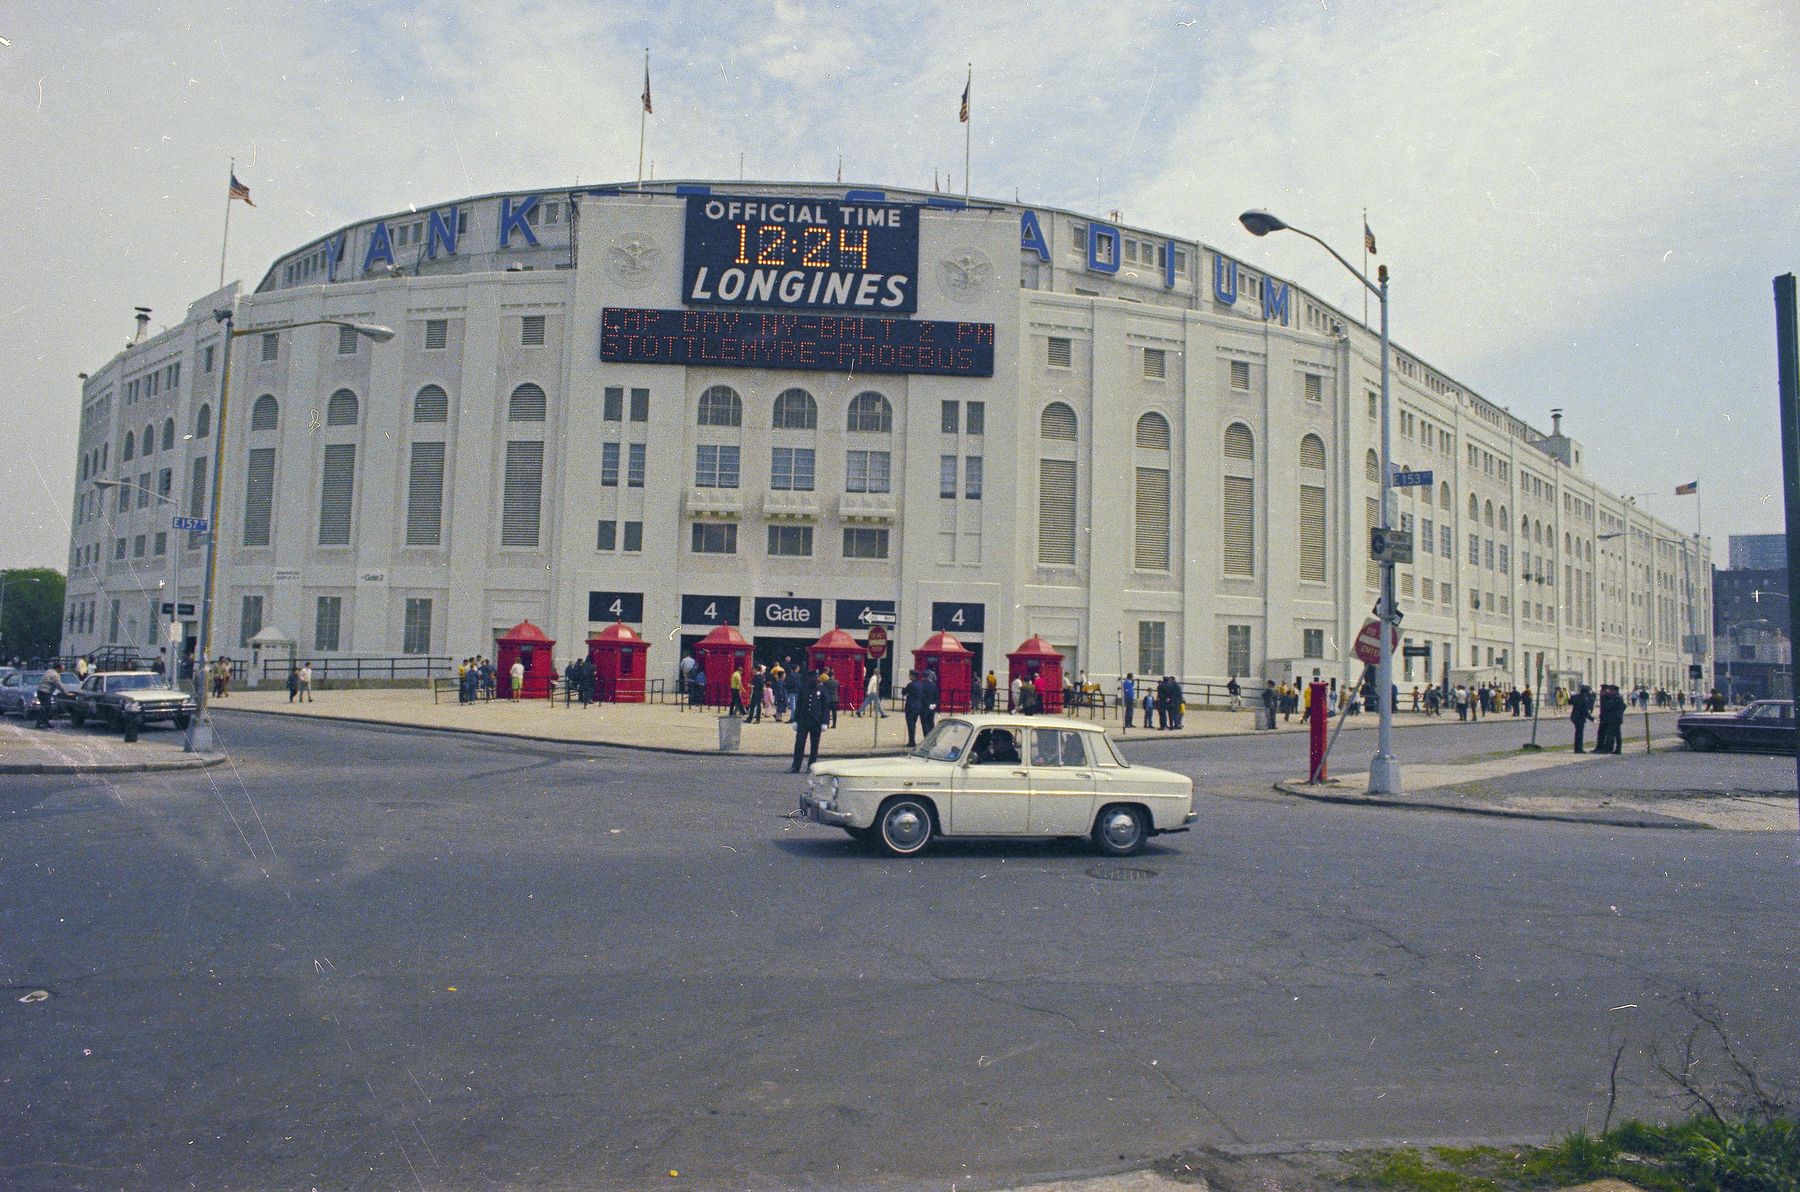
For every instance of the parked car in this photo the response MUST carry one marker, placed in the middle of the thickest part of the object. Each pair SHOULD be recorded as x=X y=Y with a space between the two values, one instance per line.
x=18 y=692
x=993 y=775
x=1766 y=725
x=114 y=697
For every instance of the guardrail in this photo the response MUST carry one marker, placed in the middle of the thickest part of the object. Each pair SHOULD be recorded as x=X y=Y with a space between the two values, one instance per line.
x=369 y=668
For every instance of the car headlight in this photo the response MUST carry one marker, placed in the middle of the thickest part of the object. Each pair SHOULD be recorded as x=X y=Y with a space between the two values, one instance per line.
x=834 y=789
x=132 y=705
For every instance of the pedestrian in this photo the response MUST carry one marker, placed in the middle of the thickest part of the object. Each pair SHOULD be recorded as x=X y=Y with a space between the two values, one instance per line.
x=805 y=713
x=1462 y=702
x=48 y=687
x=517 y=674
x=759 y=684
x=1581 y=710
x=293 y=683
x=1236 y=703
x=828 y=695
x=587 y=679
x=1269 y=697
x=1609 y=736
x=1525 y=700
x=1015 y=694
x=306 y=682
x=872 y=696
x=928 y=712
x=81 y=668
x=991 y=689
x=1128 y=696
x=911 y=700
x=1306 y=704
x=737 y=691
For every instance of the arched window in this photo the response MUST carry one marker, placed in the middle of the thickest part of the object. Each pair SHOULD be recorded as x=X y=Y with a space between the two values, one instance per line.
x=1505 y=522
x=1567 y=547
x=147 y=444
x=1444 y=494
x=341 y=409
x=870 y=413
x=129 y=450
x=795 y=410
x=1524 y=525
x=265 y=413
x=1240 y=500
x=1057 y=422
x=1312 y=452
x=721 y=406
x=431 y=404
x=1474 y=508
x=1153 y=432
x=527 y=404
x=168 y=438
x=1487 y=514
x=1372 y=467
x=203 y=422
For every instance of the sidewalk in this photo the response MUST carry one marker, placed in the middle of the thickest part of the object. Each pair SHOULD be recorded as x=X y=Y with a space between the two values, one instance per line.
x=64 y=749
x=670 y=728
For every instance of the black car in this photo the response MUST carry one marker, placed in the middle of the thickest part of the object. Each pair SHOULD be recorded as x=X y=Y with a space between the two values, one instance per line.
x=117 y=698
x=1766 y=725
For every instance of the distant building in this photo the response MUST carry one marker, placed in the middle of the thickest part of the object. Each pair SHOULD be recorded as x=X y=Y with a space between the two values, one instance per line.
x=1752 y=654
x=1751 y=552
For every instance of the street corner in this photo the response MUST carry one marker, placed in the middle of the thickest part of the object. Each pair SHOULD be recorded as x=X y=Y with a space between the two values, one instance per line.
x=61 y=749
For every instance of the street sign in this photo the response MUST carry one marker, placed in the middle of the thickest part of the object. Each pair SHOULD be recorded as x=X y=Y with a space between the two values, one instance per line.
x=883 y=619
x=852 y=614
x=197 y=524
x=1368 y=641
x=187 y=609
x=1423 y=651
x=1695 y=670
x=878 y=640
x=1413 y=479
x=1390 y=546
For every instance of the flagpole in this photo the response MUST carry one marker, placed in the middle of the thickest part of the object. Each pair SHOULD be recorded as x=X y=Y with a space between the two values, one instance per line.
x=643 y=117
x=1365 y=265
x=226 y=244
x=968 y=131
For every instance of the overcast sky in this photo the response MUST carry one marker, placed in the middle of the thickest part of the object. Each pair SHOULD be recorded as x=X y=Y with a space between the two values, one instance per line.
x=1582 y=205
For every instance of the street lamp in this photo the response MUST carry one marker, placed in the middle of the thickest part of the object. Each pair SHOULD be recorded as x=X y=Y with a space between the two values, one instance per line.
x=1384 y=771
x=4 y=580
x=200 y=729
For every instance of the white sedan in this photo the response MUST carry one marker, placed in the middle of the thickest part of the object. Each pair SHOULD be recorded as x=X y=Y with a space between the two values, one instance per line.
x=1001 y=776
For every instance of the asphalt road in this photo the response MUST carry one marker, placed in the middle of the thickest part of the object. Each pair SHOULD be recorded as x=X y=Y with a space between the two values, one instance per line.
x=362 y=958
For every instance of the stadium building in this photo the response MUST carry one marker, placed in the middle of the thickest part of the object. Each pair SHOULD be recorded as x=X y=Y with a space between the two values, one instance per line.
x=789 y=407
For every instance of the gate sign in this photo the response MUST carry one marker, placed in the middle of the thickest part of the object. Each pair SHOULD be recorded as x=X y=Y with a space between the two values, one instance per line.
x=709 y=610
x=1368 y=641
x=860 y=614
x=1413 y=479
x=797 y=253
x=616 y=606
x=955 y=617
x=785 y=612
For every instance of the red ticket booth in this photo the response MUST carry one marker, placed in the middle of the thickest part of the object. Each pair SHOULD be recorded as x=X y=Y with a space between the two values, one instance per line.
x=719 y=653
x=620 y=663
x=840 y=654
x=955 y=668
x=525 y=643
x=1034 y=657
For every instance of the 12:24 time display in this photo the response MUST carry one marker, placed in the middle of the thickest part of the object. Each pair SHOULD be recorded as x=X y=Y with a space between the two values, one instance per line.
x=812 y=246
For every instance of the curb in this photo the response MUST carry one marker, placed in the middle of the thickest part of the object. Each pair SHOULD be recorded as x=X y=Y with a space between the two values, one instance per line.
x=1299 y=790
x=199 y=763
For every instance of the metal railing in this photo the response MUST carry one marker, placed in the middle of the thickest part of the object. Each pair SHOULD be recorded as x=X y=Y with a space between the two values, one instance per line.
x=370 y=668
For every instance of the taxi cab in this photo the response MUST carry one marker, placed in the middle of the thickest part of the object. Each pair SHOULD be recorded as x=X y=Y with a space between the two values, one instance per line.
x=991 y=775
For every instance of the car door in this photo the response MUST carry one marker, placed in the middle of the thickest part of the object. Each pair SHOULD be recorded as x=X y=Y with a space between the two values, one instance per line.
x=1062 y=783
x=993 y=790
x=1765 y=727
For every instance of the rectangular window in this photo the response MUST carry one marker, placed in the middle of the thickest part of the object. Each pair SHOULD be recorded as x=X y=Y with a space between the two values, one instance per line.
x=337 y=487
x=271 y=345
x=143 y=489
x=947 y=477
x=140 y=546
x=640 y=405
x=206 y=359
x=1374 y=404
x=950 y=417
x=1061 y=353
x=1151 y=541
x=531 y=331
x=972 y=478
x=521 y=499
x=1237 y=649
x=1474 y=550
x=1488 y=554
x=715 y=466
x=613 y=404
x=425 y=495
x=866 y=472
x=608 y=536
x=1315 y=387
x=1312 y=534
x=609 y=465
x=975 y=418
x=415 y=633
x=259 y=495
x=1446 y=544
x=1056 y=512
x=1240 y=525
x=347 y=340
x=161 y=546
x=250 y=614
x=1427 y=534
x=1156 y=364
x=165 y=482
x=437 y=334
x=327 y=618
x=793 y=542
x=634 y=465
x=124 y=497
x=1372 y=515
x=715 y=538
x=1153 y=638
x=634 y=536
x=1312 y=643
x=864 y=542
x=1240 y=375
x=790 y=469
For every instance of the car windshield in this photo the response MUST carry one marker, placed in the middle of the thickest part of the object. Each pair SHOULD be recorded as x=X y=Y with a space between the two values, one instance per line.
x=946 y=742
x=134 y=682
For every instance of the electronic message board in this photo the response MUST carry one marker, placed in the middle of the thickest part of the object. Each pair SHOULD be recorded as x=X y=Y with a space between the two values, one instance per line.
x=801 y=253
x=827 y=342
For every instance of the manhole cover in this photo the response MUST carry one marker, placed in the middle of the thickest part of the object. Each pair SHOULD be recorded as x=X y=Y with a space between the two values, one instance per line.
x=1121 y=873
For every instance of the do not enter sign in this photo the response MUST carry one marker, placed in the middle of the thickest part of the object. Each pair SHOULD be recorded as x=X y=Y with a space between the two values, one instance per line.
x=1368 y=642
x=877 y=641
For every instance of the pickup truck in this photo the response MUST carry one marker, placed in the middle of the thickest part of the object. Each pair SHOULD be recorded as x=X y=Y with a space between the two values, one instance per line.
x=117 y=697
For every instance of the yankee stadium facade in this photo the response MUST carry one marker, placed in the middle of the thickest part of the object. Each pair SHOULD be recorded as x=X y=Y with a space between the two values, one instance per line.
x=789 y=407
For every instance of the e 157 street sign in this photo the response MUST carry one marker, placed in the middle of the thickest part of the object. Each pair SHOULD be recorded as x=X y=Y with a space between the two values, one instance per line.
x=197 y=524
x=1413 y=479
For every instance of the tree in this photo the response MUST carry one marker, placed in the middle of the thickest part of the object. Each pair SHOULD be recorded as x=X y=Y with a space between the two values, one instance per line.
x=31 y=618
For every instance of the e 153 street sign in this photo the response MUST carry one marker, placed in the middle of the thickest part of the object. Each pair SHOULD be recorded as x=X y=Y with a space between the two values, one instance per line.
x=1413 y=479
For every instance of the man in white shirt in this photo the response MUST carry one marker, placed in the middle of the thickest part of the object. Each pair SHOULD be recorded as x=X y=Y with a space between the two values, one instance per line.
x=872 y=695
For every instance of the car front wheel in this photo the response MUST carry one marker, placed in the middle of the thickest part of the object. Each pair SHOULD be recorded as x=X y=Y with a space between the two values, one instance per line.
x=1703 y=742
x=1119 y=831
x=78 y=716
x=904 y=826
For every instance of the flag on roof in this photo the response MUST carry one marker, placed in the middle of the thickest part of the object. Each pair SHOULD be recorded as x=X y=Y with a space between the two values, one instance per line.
x=239 y=191
x=963 y=116
x=1691 y=488
x=1368 y=239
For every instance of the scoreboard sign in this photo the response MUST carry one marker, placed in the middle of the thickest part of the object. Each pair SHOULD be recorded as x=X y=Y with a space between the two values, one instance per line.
x=801 y=253
x=828 y=342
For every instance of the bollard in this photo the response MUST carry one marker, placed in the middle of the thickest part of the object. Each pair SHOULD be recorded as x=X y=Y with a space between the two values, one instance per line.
x=131 y=729
x=1316 y=753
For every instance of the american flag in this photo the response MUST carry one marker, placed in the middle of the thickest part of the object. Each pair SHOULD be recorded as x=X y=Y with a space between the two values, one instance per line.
x=963 y=116
x=647 y=108
x=1368 y=239
x=1691 y=488
x=239 y=191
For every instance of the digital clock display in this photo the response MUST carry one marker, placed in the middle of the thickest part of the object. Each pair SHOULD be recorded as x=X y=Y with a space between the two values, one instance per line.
x=801 y=253
x=820 y=341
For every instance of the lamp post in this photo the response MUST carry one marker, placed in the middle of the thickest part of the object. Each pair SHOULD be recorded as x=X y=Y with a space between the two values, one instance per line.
x=4 y=581
x=200 y=729
x=1384 y=770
